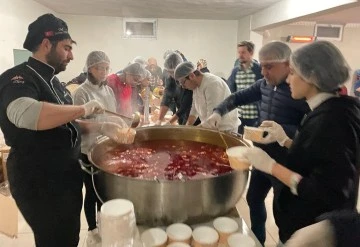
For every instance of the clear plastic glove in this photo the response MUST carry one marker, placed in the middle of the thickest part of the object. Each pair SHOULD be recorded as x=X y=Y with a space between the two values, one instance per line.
x=275 y=132
x=93 y=107
x=158 y=122
x=259 y=159
x=320 y=234
x=212 y=122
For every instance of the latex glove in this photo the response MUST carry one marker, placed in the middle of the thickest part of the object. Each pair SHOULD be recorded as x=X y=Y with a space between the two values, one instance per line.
x=275 y=132
x=320 y=234
x=259 y=159
x=158 y=122
x=212 y=122
x=93 y=107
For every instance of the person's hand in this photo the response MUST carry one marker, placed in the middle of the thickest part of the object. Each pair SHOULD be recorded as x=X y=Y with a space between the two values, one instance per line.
x=167 y=123
x=319 y=234
x=275 y=132
x=212 y=122
x=93 y=107
x=259 y=159
x=158 y=122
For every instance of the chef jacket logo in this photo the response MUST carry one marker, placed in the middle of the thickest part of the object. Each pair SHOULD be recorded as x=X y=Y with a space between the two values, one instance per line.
x=17 y=79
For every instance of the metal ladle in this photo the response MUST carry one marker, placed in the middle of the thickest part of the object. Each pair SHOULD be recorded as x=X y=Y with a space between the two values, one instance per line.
x=135 y=120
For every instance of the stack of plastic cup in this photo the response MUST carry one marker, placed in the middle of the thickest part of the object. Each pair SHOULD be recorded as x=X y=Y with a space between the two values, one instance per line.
x=117 y=223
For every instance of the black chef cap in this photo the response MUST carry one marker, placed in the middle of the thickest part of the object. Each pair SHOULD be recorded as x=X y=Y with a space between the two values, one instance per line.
x=46 y=26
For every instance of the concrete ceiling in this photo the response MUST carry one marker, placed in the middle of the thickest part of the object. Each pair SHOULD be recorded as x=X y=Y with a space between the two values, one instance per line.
x=349 y=15
x=177 y=9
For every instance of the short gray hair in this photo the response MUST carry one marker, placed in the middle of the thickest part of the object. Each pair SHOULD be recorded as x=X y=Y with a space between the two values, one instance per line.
x=275 y=51
x=322 y=64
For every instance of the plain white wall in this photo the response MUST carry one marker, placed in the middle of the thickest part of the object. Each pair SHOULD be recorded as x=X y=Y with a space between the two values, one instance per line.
x=15 y=17
x=212 y=40
x=349 y=46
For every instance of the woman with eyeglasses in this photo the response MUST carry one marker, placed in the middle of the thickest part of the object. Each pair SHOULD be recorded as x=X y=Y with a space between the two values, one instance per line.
x=124 y=85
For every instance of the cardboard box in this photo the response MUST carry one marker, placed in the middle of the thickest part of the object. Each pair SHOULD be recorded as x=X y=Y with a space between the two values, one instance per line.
x=8 y=216
x=4 y=150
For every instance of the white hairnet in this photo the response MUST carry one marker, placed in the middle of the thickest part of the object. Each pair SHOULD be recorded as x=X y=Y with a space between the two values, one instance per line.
x=275 y=52
x=171 y=61
x=135 y=69
x=140 y=60
x=94 y=58
x=321 y=64
x=167 y=52
x=184 y=69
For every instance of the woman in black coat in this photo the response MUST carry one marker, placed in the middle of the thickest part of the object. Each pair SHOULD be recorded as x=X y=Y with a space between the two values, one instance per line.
x=322 y=169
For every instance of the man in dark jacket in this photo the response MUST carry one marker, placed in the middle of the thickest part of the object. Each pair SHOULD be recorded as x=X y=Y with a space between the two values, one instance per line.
x=243 y=76
x=174 y=93
x=276 y=104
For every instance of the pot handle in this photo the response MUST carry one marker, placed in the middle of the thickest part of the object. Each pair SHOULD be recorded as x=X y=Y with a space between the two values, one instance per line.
x=85 y=167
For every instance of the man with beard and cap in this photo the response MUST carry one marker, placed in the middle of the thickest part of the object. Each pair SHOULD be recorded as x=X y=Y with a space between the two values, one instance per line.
x=37 y=119
x=94 y=88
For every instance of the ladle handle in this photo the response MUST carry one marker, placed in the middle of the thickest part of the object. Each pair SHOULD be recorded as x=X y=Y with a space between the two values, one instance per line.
x=117 y=114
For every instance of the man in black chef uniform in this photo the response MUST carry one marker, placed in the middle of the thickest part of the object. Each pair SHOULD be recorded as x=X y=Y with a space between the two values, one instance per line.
x=37 y=119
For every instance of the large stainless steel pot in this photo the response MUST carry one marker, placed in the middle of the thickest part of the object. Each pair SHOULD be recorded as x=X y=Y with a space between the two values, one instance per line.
x=160 y=202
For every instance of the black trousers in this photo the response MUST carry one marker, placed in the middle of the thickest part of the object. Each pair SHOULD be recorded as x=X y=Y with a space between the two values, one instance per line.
x=92 y=204
x=260 y=184
x=55 y=220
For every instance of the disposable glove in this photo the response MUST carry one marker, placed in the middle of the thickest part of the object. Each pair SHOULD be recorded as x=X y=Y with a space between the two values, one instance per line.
x=275 y=132
x=158 y=122
x=259 y=159
x=320 y=234
x=93 y=107
x=212 y=122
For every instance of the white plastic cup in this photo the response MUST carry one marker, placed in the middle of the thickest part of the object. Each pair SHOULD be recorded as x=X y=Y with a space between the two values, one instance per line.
x=225 y=226
x=240 y=240
x=179 y=232
x=205 y=236
x=178 y=244
x=117 y=223
x=236 y=160
x=154 y=237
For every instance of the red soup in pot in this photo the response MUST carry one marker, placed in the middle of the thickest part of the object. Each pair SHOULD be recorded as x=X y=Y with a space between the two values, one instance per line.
x=167 y=159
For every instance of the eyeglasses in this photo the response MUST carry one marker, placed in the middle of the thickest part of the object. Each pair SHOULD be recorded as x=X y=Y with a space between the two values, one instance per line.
x=101 y=68
x=183 y=81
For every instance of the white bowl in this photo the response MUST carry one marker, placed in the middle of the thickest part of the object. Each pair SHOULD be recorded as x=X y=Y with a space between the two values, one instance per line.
x=179 y=232
x=225 y=226
x=236 y=159
x=178 y=244
x=240 y=240
x=154 y=237
x=205 y=236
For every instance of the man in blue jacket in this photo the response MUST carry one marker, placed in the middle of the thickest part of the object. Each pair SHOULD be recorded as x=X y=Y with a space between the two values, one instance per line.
x=243 y=76
x=276 y=104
